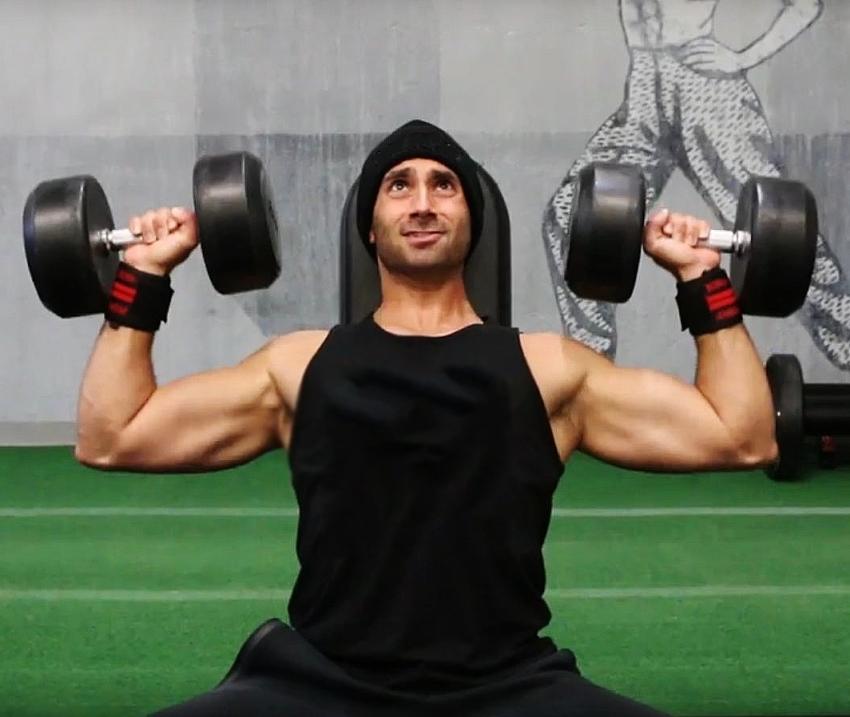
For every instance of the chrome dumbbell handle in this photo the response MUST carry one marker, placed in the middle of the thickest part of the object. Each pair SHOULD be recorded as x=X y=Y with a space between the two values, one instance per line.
x=729 y=242
x=116 y=239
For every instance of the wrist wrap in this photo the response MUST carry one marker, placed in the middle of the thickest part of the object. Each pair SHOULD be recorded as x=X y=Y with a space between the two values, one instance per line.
x=708 y=303
x=138 y=299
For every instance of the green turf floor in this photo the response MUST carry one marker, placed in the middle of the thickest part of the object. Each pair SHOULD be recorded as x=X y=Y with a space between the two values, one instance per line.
x=108 y=614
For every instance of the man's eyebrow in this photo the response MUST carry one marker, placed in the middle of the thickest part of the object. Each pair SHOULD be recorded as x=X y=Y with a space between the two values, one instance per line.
x=442 y=175
x=400 y=173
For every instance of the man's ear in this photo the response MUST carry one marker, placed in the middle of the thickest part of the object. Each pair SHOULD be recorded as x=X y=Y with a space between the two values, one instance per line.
x=371 y=236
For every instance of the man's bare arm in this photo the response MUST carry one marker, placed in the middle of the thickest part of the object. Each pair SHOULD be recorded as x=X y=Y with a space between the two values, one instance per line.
x=206 y=421
x=202 y=422
x=645 y=419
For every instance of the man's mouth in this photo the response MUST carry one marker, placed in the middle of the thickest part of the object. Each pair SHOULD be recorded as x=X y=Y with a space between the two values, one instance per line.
x=419 y=237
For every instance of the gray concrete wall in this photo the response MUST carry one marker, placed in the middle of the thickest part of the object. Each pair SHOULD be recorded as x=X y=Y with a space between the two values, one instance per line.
x=133 y=91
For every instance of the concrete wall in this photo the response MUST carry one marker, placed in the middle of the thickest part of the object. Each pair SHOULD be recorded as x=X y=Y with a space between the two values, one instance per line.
x=133 y=91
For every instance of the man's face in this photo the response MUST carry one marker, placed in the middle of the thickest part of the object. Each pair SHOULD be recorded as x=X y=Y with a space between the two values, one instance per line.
x=420 y=224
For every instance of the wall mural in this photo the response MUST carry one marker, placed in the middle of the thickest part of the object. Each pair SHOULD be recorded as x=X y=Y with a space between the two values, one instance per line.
x=688 y=105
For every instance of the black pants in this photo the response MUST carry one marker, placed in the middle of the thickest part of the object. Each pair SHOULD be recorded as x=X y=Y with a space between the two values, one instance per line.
x=279 y=674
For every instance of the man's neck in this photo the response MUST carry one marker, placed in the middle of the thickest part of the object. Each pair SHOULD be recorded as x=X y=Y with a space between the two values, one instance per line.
x=408 y=307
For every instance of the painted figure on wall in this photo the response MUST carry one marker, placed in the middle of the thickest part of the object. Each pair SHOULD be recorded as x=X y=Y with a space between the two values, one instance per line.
x=689 y=106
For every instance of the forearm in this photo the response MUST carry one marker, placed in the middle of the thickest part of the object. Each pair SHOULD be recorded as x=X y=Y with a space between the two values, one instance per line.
x=791 y=21
x=731 y=377
x=118 y=381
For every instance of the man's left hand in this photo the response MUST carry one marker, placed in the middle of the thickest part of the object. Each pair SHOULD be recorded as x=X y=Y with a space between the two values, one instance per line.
x=671 y=240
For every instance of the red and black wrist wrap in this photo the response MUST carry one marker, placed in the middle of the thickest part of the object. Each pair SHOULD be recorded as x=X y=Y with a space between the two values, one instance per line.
x=138 y=299
x=708 y=303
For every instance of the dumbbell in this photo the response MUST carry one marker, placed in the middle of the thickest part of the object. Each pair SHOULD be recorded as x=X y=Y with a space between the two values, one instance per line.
x=802 y=409
x=72 y=246
x=772 y=247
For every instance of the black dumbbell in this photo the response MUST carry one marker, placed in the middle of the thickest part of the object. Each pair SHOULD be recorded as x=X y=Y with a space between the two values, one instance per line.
x=772 y=247
x=72 y=247
x=802 y=409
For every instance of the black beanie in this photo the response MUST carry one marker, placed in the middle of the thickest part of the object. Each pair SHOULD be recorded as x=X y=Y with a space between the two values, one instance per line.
x=417 y=139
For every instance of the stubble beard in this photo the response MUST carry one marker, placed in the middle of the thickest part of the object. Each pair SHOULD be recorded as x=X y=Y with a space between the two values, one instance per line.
x=434 y=264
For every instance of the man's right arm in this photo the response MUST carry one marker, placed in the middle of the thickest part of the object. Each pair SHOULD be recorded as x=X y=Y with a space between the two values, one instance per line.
x=205 y=421
x=202 y=422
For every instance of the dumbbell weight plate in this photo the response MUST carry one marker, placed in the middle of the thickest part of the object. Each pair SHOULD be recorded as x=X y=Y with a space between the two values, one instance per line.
x=71 y=273
x=606 y=231
x=772 y=279
x=236 y=221
x=785 y=377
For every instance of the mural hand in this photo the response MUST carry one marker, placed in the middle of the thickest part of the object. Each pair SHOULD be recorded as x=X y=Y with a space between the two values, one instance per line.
x=710 y=57
x=670 y=239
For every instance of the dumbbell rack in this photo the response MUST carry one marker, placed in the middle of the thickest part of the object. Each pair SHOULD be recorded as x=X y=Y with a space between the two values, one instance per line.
x=803 y=410
x=826 y=409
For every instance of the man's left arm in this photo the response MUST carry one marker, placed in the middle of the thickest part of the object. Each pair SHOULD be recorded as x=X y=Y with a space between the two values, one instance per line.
x=644 y=418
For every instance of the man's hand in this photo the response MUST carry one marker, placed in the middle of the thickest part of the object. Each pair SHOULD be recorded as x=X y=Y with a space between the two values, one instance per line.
x=170 y=235
x=671 y=240
x=710 y=57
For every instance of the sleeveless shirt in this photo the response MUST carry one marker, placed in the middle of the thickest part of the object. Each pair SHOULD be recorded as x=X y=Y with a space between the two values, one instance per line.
x=424 y=469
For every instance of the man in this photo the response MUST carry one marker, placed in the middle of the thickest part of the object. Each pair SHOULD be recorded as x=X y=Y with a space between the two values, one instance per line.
x=425 y=447
x=689 y=105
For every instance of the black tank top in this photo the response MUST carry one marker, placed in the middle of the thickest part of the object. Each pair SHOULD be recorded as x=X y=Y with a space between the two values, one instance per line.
x=424 y=469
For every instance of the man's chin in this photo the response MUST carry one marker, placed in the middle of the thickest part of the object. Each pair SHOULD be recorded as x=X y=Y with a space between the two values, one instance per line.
x=421 y=264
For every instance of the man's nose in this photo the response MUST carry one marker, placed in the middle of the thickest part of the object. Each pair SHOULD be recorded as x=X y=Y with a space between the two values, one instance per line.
x=420 y=202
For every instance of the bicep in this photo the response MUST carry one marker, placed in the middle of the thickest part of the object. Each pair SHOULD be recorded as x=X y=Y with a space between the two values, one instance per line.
x=644 y=419
x=206 y=421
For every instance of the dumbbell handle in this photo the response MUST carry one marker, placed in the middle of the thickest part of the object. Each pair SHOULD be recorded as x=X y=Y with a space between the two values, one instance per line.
x=117 y=239
x=729 y=242
x=826 y=409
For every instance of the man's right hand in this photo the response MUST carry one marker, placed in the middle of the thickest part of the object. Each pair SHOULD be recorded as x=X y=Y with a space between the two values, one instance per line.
x=169 y=237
